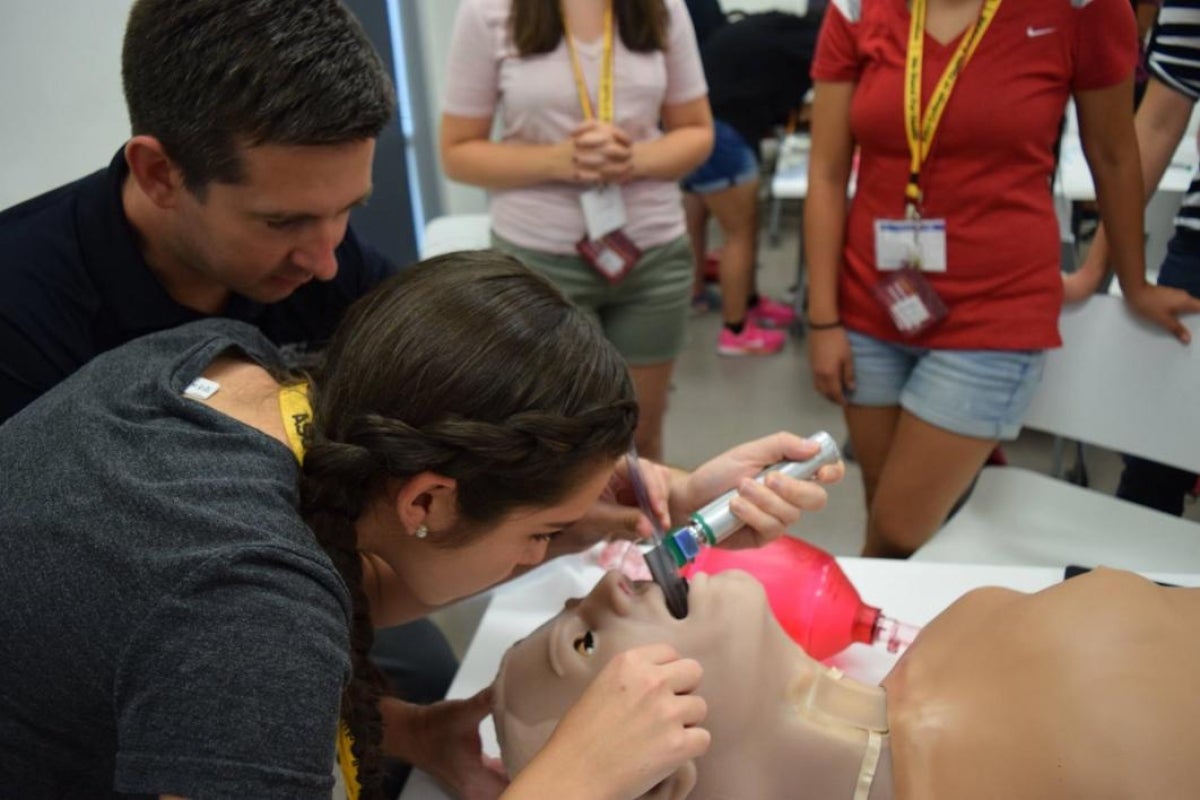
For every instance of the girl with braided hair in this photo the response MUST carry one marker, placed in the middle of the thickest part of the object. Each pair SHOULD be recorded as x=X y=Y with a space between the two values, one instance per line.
x=197 y=547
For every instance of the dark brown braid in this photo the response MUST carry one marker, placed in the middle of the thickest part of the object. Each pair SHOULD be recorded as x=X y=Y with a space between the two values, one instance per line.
x=470 y=366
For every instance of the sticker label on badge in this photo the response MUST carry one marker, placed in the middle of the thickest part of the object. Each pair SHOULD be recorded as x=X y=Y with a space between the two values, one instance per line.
x=603 y=211
x=910 y=243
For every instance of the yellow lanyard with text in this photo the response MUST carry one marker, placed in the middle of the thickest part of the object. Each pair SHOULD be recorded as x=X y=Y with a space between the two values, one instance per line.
x=920 y=130
x=605 y=94
x=297 y=416
x=296 y=410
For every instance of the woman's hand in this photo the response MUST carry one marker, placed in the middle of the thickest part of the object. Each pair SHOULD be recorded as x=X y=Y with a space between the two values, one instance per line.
x=767 y=508
x=832 y=363
x=635 y=724
x=1083 y=282
x=603 y=153
x=1163 y=306
x=446 y=745
x=616 y=514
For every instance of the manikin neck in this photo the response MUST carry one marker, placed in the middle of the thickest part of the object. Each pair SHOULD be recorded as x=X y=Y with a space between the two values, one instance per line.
x=833 y=730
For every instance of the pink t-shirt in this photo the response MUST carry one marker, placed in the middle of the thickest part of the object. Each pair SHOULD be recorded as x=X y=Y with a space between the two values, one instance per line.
x=539 y=103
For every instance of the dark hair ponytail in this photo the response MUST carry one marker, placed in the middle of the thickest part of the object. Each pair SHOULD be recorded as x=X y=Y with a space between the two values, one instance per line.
x=471 y=366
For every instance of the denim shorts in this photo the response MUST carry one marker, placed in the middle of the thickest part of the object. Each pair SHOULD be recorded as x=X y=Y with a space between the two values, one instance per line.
x=983 y=394
x=645 y=315
x=731 y=163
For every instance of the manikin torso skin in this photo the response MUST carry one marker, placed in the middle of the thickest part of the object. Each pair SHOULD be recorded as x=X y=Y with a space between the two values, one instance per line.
x=1088 y=690
x=1084 y=690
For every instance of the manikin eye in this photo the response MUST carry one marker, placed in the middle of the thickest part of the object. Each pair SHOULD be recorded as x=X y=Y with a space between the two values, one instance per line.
x=585 y=645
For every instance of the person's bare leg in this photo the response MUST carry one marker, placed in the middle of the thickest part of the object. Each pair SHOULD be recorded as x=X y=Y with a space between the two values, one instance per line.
x=926 y=471
x=871 y=430
x=651 y=383
x=736 y=211
x=696 y=215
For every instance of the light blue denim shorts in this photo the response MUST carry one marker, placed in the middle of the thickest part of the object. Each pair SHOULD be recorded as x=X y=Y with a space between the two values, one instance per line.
x=979 y=393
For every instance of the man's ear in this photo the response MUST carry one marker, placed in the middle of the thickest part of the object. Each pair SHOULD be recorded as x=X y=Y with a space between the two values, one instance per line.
x=156 y=175
x=676 y=786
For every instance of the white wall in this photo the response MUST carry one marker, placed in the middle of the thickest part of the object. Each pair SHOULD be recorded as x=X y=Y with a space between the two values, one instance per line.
x=63 y=111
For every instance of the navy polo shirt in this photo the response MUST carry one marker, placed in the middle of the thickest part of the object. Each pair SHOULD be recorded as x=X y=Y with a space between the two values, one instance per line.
x=73 y=284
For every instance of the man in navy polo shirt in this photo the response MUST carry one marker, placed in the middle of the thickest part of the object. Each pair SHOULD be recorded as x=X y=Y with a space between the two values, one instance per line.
x=254 y=126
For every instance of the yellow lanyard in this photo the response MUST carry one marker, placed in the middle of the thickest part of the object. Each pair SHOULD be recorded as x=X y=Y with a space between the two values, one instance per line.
x=346 y=761
x=297 y=417
x=605 y=96
x=920 y=130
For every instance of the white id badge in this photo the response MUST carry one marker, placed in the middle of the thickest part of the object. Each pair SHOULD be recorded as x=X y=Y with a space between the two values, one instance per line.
x=603 y=211
x=898 y=243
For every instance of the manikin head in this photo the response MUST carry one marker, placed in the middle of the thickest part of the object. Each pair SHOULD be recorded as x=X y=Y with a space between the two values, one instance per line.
x=757 y=683
x=254 y=126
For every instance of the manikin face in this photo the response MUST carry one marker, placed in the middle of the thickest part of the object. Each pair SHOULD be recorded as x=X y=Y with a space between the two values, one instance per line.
x=275 y=230
x=729 y=629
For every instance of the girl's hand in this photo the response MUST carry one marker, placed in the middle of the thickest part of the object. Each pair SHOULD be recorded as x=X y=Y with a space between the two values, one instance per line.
x=832 y=363
x=1164 y=305
x=636 y=723
x=603 y=153
x=768 y=508
x=451 y=751
x=616 y=514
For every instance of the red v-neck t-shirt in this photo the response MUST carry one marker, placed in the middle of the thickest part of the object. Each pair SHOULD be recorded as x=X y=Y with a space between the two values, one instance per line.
x=989 y=170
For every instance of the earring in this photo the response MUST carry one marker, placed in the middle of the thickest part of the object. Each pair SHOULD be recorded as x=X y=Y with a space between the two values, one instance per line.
x=421 y=532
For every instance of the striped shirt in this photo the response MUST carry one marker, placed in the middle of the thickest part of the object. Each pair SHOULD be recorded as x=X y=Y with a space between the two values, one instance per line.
x=1174 y=58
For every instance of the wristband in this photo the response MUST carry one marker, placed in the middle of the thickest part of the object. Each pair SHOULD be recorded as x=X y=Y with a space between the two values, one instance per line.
x=828 y=326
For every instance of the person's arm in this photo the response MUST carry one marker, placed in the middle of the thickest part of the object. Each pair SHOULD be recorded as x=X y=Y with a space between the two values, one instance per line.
x=1159 y=126
x=442 y=739
x=1147 y=13
x=637 y=724
x=685 y=145
x=40 y=346
x=234 y=680
x=767 y=509
x=1103 y=128
x=470 y=99
x=470 y=156
x=1111 y=148
x=685 y=114
x=829 y=164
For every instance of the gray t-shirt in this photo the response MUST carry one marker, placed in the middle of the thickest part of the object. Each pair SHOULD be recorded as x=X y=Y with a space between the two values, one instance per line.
x=168 y=624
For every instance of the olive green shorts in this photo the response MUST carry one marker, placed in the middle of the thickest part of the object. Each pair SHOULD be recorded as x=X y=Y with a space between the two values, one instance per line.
x=644 y=315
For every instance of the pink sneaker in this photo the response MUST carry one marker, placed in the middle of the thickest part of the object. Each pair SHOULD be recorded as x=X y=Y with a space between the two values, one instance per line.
x=772 y=313
x=752 y=341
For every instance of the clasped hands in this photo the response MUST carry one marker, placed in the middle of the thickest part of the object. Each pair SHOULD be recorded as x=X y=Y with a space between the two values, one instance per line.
x=601 y=153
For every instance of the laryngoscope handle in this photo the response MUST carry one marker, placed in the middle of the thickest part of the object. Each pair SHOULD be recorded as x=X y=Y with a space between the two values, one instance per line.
x=719 y=522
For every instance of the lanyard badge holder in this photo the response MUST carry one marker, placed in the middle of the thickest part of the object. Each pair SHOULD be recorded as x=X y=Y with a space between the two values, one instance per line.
x=605 y=247
x=910 y=247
